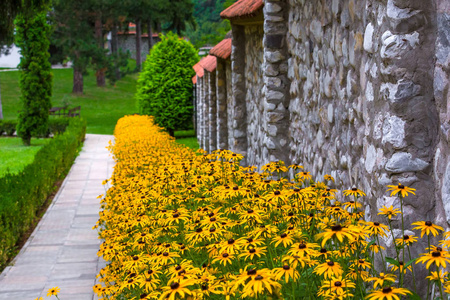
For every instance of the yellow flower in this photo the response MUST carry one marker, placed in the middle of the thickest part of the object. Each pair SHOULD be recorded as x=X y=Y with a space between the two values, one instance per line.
x=284 y=238
x=427 y=228
x=354 y=192
x=287 y=272
x=177 y=288
x=338 y=231
x=53 y=291
x=400 y=188
x=381 y=279
x=335 y=287
x=376 y=228
x=406 y=240
x=329 y=269
x=437 y=256
x=224 y=258
x=389 y=211
x=39 y=298
x=258 y=284
x=388 y=293
x=328 y=177
x=437 y=277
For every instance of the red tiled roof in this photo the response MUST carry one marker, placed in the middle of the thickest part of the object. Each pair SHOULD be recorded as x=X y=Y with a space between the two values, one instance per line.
x=222 y=49
x=199 y=69
x=242 y=9
x=209 y=63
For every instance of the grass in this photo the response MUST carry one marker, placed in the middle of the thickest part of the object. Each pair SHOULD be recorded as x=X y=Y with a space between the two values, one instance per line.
x=14 y=156
x=100 y=106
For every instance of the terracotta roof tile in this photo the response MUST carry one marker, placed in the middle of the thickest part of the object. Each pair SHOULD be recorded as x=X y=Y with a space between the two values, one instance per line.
x=222 y=49
x=199 y=69
x=242 y=9
x=209 y=63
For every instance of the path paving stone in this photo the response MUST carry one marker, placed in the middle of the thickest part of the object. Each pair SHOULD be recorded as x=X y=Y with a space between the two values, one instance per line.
x=62 y=250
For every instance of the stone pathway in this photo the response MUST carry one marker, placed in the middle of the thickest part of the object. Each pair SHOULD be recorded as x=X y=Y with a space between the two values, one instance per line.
x=62 y=250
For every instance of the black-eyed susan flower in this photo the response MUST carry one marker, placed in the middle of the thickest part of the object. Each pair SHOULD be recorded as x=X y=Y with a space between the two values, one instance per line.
x=336 y=231
x=287 y=272
x=177 y=288
x=260 y=284
x=354 y=192
x=250 y=252
x=388 y=293
x=377 y=229
x=400 y=189
x=435 y=276
x=284 y=238
x=53 y=291
x=336 y=286
x=427 y=227
x=389 y=211
x=400 y=267
x=406 y=240
x=381 y=279
x=438 y=257
x=224 y=258
x=329 y=269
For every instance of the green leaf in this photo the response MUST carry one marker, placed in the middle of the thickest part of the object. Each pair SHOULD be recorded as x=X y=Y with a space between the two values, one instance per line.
x=410 y=262
x=370 y=244
x=414 y=296
x=392 y=261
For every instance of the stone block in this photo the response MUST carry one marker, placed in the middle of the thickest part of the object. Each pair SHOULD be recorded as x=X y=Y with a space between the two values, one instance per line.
x=368 y=38
x=273 y=41
x=402 y=162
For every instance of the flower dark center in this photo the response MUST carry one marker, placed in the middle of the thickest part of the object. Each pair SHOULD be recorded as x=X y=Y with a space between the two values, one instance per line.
x=361 y=261
x=338 y=283
x=323 y=250
x=277 y=193
x=249 y=240
x=230 y=242
x=198 y=230
x=251 y=272
x=225 y=255
x=401 y=186
x=135 y=258
x=336 y=228
x=387 y=290
x=406 y=237
x=286 y=267
x=235 y=188
x=435 y=253
x=250 y=211
x=176 y=215
x=330 y=263
x=301 y=246
x=283 y=235
x=259 y=277
x=354 y=189
x=252 y=250
x=428 y=223
x=290 y=214
x=165 y=254
x=212 y=219
x=178 y=268
x=376 y=223
x=174 y=285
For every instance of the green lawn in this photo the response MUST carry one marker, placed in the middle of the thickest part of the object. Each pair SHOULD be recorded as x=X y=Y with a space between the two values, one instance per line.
x=101 y=107
x=14 y=156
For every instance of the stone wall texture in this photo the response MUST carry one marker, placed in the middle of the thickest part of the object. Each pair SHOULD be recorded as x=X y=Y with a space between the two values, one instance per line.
x=358 y=89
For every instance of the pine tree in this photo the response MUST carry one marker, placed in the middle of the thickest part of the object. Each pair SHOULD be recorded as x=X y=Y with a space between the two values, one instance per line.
x=32 y=37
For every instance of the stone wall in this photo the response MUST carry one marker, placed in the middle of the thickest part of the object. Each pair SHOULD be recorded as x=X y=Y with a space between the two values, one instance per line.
x=254 y=59
x=358 y=89
x=127 y=42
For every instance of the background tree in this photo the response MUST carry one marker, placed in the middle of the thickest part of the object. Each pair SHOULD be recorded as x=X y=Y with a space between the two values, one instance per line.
x=74 y=33
x=32 y=38
x=165 y=86
x=8 y=11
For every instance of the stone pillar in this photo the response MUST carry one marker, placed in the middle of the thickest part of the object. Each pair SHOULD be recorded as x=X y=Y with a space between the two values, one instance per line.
x=212 y=111
x=238 y=140
x=221 y=94
x=276 y=82
x=199 y=112
x=206 y=112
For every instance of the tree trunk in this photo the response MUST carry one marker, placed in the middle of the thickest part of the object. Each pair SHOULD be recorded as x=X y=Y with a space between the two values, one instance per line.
x=1 y=108
x=115 y=48
x=77 y=81
x=100 y=74
x=150 y=35
x=138 y=45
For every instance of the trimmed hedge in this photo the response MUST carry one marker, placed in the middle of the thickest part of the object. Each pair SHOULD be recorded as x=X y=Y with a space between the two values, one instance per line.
x=23 y=194
x=55 y=126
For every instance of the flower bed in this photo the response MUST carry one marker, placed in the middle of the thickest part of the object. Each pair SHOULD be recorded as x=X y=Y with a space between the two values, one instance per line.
x=23 y=194
x=183 y=225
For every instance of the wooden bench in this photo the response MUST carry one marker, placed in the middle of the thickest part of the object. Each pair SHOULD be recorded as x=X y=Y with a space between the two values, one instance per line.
x=64 y=112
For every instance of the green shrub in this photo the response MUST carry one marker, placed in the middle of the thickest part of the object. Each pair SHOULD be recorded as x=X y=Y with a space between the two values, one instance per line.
x=32 y=32
x=8 y=126
x=57 y=126
x=165 y=84
x=23 y=194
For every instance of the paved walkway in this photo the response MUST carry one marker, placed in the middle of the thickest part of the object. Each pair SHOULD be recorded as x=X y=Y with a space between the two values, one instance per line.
x=62 y=251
